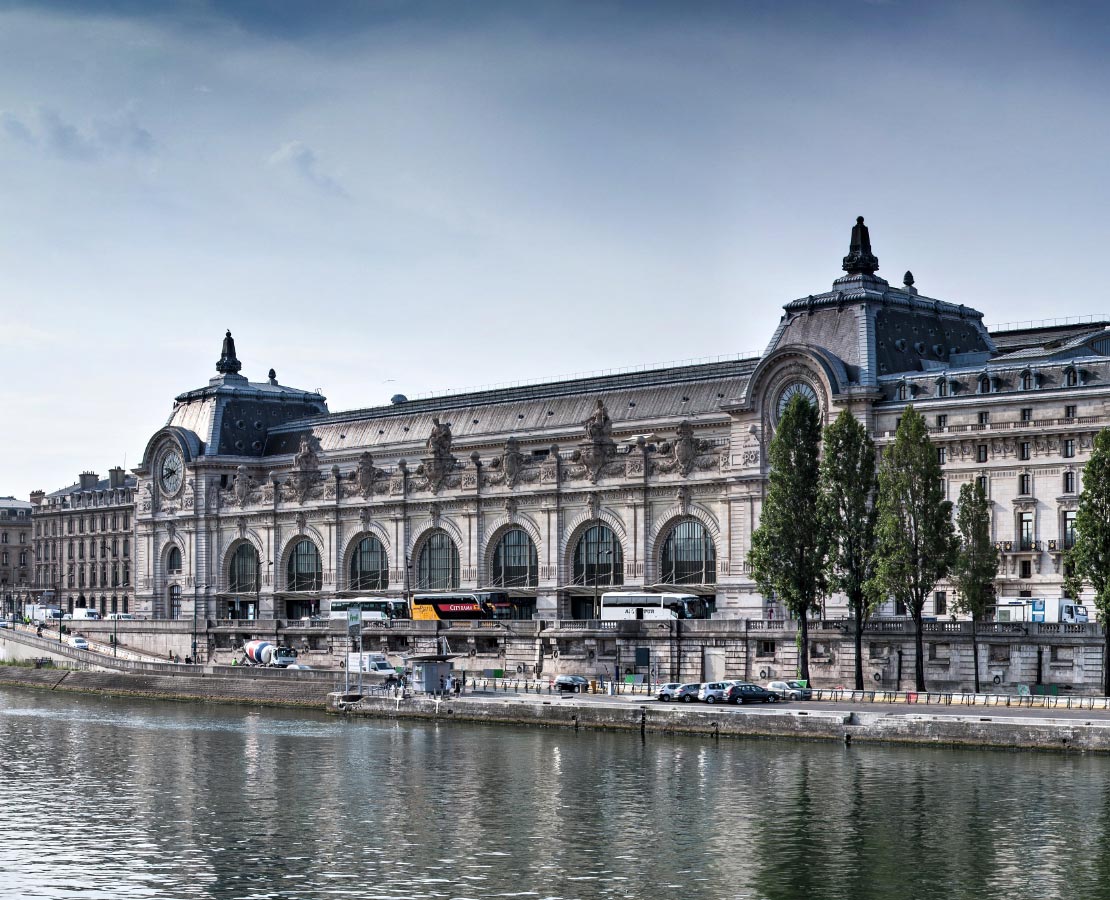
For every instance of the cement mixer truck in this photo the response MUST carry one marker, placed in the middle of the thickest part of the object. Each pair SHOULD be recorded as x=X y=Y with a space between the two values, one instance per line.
x=263 y=653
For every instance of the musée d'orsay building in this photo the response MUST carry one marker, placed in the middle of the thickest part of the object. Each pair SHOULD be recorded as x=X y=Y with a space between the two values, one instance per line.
x=255 y=501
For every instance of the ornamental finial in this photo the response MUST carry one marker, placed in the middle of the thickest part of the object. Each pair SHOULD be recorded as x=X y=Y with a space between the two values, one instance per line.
x=228 y=364
x=860 y=260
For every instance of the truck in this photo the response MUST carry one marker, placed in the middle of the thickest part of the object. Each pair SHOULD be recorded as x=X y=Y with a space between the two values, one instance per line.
x=82 y=613
x=1041 y=609
x=263 y=653
x=41 y=613
x=376 y=665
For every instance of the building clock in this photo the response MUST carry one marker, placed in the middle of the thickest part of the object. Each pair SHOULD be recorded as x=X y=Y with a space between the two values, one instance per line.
x=796 y=388
x=170 y=471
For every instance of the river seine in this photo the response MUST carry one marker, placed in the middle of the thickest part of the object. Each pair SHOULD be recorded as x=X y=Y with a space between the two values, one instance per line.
x=117 y=799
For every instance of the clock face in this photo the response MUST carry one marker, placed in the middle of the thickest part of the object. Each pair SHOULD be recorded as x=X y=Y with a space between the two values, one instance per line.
x=170 y=471
x=796 y=388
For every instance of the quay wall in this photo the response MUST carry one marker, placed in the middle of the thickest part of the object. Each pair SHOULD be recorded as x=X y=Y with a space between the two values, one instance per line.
x=848 y=727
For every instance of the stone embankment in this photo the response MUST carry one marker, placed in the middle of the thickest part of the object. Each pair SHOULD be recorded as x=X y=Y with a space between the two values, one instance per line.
x=274 y=688
x=887 y=724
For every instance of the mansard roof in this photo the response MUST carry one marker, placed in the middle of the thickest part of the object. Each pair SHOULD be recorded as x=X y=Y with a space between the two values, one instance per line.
x=550 y=412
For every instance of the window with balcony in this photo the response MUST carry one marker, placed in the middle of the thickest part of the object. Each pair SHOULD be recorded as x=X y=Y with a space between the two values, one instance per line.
x=1069 y=412
x=942 y=421
x=1027 y=414
x=984 y=418
x=1069 y=529
x=1026 y=531
x=940 y=603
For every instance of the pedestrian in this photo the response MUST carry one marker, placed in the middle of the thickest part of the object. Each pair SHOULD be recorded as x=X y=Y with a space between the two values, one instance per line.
x=459 y=685
x=450 y=684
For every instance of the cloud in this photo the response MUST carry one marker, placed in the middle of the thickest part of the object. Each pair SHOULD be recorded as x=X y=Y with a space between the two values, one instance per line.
x=301 y=159
x=119 y=134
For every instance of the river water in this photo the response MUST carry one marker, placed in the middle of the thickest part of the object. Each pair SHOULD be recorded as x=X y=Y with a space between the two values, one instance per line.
x=112 y=798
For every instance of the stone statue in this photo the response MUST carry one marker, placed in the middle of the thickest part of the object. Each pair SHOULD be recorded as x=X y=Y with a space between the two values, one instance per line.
x=439 y=441
x=599 y=427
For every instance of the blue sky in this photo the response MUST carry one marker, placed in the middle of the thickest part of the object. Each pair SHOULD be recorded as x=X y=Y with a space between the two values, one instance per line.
x=404 y=197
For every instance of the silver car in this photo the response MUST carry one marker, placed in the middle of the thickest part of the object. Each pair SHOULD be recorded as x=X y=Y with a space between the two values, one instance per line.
x=668 y=691
x=713 y=691
x=791 y=690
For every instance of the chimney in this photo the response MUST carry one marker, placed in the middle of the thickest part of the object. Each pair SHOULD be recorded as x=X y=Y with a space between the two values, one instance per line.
x=37 y=497
x=88 y=481
x=115 y=477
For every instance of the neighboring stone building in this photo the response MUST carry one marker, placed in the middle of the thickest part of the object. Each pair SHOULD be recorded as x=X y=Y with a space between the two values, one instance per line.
x=255 y=501
x=16 y=557
x=83 y=538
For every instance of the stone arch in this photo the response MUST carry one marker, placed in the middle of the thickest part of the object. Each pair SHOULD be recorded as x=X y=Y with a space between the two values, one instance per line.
x=668 y=522
x=232 y=541
x=496 y=529
x=374 y=530
x=281 y=577
x=583 y=521
x=418 y=548
x=230 y=548
x=168 y=545
x=823 y=366
x=427 y=526
x=186 y=440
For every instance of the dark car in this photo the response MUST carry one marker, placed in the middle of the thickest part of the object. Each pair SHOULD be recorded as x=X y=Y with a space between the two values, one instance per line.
x=750 y=693
x=575 y=684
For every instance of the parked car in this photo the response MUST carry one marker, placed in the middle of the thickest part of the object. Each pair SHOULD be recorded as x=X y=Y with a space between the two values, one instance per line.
x=750 y=693
x=667 y=691
x=791 y=690
x=687 y=693
x=80 y=643
x=5 y=624
x=575 y=684
x=713 y=691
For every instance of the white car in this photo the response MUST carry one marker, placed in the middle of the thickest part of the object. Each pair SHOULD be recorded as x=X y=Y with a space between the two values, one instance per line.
x=791 y=690
x=80 y=643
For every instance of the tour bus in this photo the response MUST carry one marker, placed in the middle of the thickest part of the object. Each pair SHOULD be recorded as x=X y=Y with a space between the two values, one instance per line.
x=470 y=605
x=628 y=605
x=374 y=609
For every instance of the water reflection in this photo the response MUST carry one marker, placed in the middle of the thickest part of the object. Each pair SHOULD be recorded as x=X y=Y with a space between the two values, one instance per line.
x=112 y=798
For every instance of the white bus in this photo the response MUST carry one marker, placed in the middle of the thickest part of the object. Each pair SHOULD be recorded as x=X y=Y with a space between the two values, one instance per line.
x=376 y=609
x=628 y=605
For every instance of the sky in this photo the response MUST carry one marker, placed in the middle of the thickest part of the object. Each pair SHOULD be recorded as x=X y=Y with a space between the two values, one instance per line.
x=406 y=197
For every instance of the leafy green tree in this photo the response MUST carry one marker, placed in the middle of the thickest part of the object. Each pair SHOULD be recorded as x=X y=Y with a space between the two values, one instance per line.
x=976 y=565
x=848 y=487
x=915 y=543
x=788 y=548
x=1089 y=560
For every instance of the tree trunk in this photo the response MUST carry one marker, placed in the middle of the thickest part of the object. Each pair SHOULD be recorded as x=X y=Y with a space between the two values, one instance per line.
x=803 y=651
x=1106 y=661
x=919 y=661
x=858 y=610
x=975 y=653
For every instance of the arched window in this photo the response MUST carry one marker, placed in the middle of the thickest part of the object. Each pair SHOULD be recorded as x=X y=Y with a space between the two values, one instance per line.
x=173 y=563
x=369 y=566
x=598 y=558
x=902 y=391
x=438 y=565
x=1027 y=381
x=515 y=561
x=304 y=572
x=942 y=387
x=689 y=555
x=244 y=575
x=984 y=384
x=1071 y=377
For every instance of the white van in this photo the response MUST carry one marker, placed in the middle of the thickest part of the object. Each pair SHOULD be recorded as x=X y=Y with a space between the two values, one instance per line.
x=82 y=613
x=119 y=617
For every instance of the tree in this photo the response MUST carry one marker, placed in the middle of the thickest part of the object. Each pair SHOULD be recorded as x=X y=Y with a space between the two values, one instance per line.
x=914 y=539
x=1089 y=559
x=976 y=565
x=788 y=551
x=847 y=485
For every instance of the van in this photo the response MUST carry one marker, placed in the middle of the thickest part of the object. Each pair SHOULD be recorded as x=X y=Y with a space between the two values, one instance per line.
x=119 y=617
x=82 y=613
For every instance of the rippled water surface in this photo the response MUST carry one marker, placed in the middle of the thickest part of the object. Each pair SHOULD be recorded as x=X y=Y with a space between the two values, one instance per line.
x=112 y=798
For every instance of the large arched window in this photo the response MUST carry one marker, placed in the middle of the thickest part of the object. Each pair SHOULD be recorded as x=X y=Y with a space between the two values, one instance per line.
x=173 y=561
x=245 y=573
x=598 y=558
x=304 y=572
x=437 y=568
x=689 y=556
x=515 y=561
x=369 y=566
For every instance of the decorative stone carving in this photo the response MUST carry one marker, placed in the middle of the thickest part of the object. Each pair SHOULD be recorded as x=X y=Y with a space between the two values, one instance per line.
x=511 y=508
x=549 y=469
x=241 y=486
x=302 y=522
x=440 y=461
x=593 y=504
x=682 y=498
x=366 y=474
x=599 y=447
x=397 y=481
x=365 y=517
x=241 y=524
x=512 y=461
x=306 y=470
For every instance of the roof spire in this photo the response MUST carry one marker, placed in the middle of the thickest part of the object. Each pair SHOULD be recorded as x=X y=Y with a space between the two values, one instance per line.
x=860 y=260
x=228 y=364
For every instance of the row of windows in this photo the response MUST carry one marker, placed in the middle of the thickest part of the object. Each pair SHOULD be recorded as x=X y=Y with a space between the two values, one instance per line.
x=689 y=557
x=1026 y=415
x=4 y=558
x=4 y=537
x=120 y=576
x=1025 y=451
x=989 y=384
x=114 y=522
x=77 y=551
